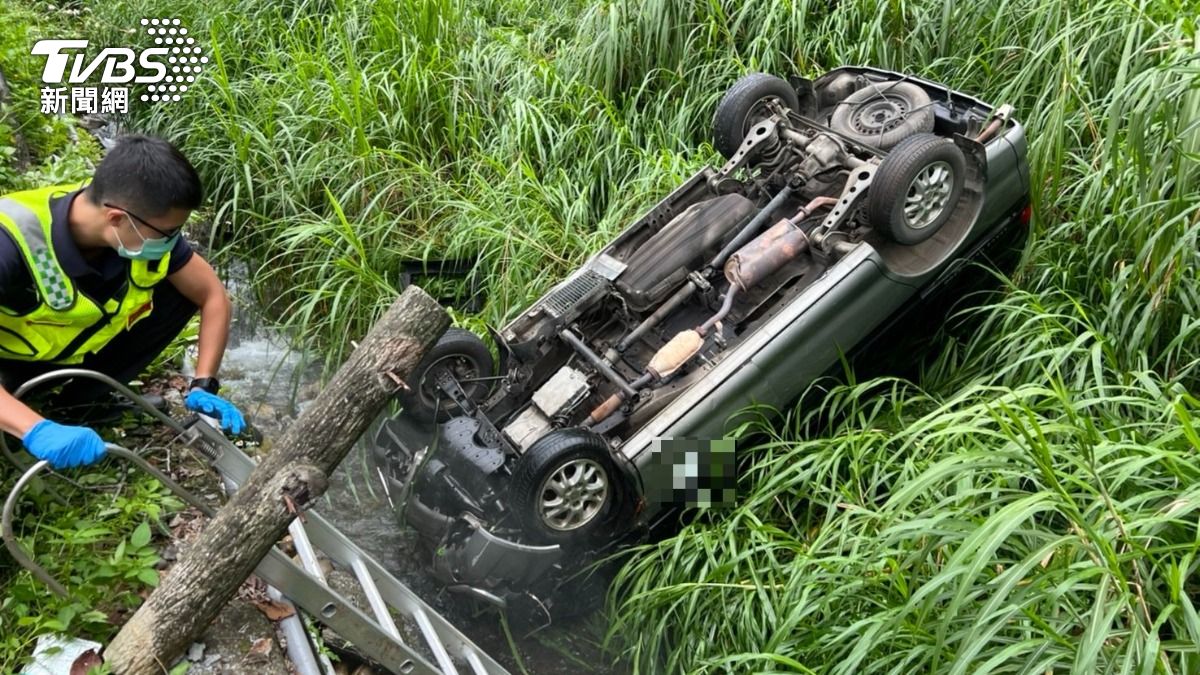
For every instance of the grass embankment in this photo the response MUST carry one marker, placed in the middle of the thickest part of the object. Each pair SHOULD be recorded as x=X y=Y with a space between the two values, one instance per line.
x=35 y=149
x=1030 y=506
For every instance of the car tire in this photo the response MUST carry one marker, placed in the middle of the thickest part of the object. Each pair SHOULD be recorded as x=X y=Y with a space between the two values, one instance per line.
x=916 y=188
x=467 y=357
x=743 y=105
x=882 y=114
x=573 y=467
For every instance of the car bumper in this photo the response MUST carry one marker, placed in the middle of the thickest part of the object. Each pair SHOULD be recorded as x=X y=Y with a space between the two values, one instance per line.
x=466 y=555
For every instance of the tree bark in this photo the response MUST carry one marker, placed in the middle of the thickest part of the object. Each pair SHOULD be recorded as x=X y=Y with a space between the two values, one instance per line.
x=258 y=514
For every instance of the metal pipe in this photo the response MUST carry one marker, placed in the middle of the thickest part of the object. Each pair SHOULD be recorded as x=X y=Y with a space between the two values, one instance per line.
x=10 y=540
x=612 y=403
x=750 y=229
x=795 y=136
x=999 y=117
x=843 y=247
x=807 y=210
x=597 y=362
x=681 y=296
x=689 y=289
x=89 y=374
x=299 y=650
x=725 y=307
x=606 y=408
x=989 y=130
x=101 y=377
x=26 y=561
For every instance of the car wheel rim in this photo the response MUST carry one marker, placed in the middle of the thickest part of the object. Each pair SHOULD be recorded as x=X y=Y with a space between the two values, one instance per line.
x=760 y=111
x=461 y=367
x=878 y=116
x=928 y=195
x=573 y=495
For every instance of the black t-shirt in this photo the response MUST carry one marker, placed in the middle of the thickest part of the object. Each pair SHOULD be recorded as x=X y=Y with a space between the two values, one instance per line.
x=99 y=278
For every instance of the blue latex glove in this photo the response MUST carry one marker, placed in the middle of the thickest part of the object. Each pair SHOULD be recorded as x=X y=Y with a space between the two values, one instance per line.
x=211 y=404
x=63 y=446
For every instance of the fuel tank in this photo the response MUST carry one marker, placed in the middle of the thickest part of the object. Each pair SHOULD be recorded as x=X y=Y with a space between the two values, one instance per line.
x=662 y=263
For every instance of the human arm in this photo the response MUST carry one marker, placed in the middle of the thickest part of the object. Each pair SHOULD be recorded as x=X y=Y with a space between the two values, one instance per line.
x=16 y=418
x=198 y=282
x=63 y=446
x=16 y=295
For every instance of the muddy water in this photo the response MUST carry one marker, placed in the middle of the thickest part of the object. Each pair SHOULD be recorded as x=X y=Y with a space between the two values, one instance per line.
x=272 y=384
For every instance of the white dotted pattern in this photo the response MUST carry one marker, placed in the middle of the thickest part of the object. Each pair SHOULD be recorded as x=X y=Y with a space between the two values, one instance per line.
x=188 y=52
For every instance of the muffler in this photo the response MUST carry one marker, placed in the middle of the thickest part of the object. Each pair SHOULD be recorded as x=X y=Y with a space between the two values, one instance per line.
x=764 y=256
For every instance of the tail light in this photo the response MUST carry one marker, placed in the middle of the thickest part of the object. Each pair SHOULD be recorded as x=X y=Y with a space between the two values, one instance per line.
x=1026 y=215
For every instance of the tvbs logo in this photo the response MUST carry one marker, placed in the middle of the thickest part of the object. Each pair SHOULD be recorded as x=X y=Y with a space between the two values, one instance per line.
x=167 y=68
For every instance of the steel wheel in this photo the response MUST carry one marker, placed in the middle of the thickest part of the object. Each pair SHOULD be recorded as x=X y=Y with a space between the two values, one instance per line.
x=878 y=116
x=573 y=494
x=882 y=114
x=928 y=194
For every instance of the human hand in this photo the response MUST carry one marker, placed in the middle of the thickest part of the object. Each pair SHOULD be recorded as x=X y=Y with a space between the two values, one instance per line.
x=63 y=446
x=211 y=404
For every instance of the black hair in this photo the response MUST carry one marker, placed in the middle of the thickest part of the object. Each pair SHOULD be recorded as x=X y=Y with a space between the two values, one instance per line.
x=147 y=175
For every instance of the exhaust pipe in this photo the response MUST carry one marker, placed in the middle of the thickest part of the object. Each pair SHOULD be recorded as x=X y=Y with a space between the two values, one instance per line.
x=765 y=255
x=752 y=263
x=772 y=249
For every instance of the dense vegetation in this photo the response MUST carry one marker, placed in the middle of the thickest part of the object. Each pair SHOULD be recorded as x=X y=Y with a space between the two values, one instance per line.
x=1028 y=505
x=35 y=149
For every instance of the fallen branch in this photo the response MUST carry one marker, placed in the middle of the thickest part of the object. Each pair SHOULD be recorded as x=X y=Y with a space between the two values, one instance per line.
x=290 y=477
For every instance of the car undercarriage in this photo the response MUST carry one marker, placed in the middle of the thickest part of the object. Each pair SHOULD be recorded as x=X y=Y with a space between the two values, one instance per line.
x=514 y=466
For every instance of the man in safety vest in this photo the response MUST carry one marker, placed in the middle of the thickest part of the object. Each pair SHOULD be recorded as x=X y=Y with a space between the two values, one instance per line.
x=98 y=276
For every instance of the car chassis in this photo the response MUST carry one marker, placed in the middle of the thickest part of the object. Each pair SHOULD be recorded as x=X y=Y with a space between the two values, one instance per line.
x=845 y=202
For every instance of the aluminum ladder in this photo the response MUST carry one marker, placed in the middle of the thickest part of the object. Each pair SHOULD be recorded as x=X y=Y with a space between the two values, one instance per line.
x=442 y=647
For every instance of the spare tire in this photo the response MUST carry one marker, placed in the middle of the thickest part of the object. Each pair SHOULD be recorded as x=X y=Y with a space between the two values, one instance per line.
x=882 y=114
x=744 y=104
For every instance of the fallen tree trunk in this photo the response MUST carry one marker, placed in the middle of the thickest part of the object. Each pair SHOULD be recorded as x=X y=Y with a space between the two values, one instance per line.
x=296 y=471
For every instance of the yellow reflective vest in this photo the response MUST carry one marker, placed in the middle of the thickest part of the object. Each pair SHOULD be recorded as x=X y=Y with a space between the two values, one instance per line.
x=66 y=325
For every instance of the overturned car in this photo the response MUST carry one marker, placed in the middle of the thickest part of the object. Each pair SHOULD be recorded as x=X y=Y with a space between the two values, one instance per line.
x=846 y=203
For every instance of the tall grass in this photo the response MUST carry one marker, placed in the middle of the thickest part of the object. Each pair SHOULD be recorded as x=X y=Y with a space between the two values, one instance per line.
x=1028 y=506
x=1027 y=529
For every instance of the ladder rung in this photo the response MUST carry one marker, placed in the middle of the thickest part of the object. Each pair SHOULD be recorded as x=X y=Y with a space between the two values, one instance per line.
x=341 y=615
x=434 y=642
x=378 y=606
x=304 y=549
